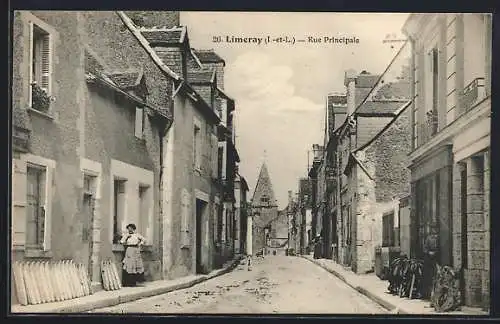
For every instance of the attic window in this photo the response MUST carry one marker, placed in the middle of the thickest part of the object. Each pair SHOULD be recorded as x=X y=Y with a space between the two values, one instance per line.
x=264 y=199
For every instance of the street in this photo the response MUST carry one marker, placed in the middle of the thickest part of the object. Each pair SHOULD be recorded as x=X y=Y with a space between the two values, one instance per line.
x=276 y=284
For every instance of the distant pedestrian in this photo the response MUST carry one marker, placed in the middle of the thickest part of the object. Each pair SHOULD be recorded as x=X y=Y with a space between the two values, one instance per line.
x=317 y=247
x=133 y=266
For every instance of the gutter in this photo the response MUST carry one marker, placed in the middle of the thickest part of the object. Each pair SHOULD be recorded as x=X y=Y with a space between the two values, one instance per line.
x=92 y=77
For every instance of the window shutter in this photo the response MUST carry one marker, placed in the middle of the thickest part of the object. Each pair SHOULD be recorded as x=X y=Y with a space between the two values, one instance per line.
x=30 y=94
x=215 y=157
x=46 y=64
x=185 y=217
x=19 y=191
x=47 y=209
x=139 y=122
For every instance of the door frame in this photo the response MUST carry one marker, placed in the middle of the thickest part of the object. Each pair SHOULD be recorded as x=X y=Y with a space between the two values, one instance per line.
x=93 y=169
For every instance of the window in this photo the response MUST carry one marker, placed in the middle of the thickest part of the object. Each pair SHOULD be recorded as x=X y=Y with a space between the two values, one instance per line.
x=475 y=44
x=435 y=85
x=139 y=122
x=35 y=213
x=220 y=158
x=88 y=206
x=119 y=208
x=219 y=222
x=388 y=230
x=264 y=200
x=40 y=70
x=197 y=147
x=144 y=206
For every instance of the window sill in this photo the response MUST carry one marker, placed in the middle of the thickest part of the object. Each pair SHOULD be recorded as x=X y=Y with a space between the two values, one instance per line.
x=40 y=113
x=37 y=253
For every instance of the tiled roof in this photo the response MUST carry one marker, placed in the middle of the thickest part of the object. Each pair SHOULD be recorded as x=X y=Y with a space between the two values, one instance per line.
x=200 y=76
x=380 y=107
x=164 y=36
x=337 y=100
x=366 y=80
x=126 y=79
x=208 y=56
x=394 y=90
x=92 y=63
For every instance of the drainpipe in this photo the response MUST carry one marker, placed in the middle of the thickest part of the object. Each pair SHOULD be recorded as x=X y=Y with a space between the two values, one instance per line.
x=161 y=136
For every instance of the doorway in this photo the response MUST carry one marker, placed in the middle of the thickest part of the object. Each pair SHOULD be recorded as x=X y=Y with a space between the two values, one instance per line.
x=88 y=208
x=463 y=222
x=200 y=211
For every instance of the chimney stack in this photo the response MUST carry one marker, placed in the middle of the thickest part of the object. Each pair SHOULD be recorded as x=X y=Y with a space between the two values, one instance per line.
x=350 y=83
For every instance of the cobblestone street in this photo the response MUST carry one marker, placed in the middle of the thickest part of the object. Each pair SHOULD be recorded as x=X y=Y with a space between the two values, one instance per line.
x=276 y=284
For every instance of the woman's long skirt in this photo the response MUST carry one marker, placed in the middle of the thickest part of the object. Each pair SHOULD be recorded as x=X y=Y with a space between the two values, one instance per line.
x=133 y=267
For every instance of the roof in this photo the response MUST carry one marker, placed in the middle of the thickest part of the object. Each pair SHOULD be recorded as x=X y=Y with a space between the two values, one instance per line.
x=92 y=62
x=354 y=160
x=394 y=90
x=209 y=56
x=366 y=80
x=244 y=183
x=221 y=92
x=126 y=79
x=201 y=76
x=164 y=36
x=264 y=187
x=337 y=100
x=379 y=107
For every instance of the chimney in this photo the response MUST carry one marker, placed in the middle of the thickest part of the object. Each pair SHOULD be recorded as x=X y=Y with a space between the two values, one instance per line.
x=317 y=152
x=337 y=108
x=350 y=83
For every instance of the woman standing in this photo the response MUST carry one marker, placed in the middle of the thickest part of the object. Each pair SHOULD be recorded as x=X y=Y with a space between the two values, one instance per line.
x=133 y=267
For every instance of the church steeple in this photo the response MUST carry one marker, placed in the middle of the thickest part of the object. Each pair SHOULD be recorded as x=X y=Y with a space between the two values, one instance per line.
x=263 y=195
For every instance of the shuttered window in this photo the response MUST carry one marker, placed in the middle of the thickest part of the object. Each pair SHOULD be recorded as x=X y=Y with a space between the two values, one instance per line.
x=40 y=60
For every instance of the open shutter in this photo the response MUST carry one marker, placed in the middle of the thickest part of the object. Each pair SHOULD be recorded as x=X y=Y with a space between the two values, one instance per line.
x=49 y=186
x=45 y=80
x=19 y=202
x=185 y=217
x=30 y=72
x=214 y=155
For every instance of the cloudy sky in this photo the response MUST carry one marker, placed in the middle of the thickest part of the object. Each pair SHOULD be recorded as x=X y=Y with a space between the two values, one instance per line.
x=280 y=89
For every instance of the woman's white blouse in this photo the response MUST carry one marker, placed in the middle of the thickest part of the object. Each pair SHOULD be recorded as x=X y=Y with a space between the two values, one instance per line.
x=132 y=239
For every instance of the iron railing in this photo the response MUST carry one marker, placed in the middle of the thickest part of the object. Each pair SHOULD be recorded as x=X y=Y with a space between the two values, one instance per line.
x=473 y=92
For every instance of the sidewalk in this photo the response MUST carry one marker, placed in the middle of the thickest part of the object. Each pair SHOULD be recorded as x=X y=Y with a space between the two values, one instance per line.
x=104 y=298
x=375 y=289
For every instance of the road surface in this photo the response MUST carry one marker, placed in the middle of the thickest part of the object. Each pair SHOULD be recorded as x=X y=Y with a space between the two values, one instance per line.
x=276 y=284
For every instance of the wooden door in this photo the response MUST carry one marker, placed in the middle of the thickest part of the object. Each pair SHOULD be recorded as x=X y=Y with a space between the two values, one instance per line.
x=87 y=229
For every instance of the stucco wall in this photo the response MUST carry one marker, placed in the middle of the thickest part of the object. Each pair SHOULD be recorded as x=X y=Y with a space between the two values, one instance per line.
x=54 y=137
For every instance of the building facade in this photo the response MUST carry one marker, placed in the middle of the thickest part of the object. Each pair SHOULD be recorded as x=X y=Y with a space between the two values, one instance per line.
x=75 y=187
x=450 y=158
x=240 y=213
x=95 y=148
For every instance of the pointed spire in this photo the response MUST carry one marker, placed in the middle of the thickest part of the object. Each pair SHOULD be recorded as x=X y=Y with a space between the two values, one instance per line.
x=264 y=188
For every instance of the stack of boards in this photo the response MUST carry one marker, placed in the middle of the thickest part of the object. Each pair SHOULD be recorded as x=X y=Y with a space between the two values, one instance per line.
x=110 y=277
x=39 y=282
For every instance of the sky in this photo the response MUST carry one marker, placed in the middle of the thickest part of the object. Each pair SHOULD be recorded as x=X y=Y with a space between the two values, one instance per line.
x=280 y=89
